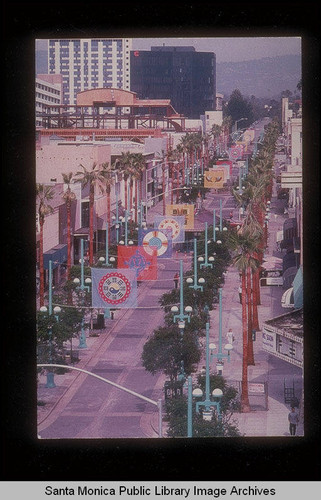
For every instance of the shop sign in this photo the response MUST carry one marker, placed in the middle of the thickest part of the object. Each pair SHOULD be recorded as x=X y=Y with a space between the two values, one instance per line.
x=268 y=340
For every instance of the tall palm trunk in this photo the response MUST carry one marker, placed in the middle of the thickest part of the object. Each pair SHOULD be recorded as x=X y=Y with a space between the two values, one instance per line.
x=256 y=298
x=41 y=268
x=177 y=183
x=130 y=194
x=136 y=201
x=108 y=210
x=250 y=351
x=68 y=239
x=69 y=296
x=163 y=189
x=245 y=404
x=126 y=188
x=91 y=224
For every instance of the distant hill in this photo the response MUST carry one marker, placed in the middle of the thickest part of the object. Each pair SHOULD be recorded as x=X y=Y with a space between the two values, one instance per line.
x=266 y=77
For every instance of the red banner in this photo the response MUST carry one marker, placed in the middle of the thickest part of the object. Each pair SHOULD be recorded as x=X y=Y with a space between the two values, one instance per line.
x=135 y=257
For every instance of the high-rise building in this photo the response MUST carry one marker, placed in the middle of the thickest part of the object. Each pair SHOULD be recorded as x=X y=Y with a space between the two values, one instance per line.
x=186 y=77
x=88 y=63
x=48 y=94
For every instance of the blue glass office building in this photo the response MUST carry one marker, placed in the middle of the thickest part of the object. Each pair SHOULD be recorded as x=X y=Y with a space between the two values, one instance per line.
x=186 y=77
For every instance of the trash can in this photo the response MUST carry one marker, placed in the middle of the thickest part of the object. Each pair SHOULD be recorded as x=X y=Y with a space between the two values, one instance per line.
x=100 y=321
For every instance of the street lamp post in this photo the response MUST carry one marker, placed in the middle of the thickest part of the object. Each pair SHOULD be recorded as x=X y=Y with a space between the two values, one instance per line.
x=228 y=347
x=116 y=218
x=207 y=263
x=180 y=318
x=50 y=375
x=214 y=225
x=82 y=287
x=195 y=286
x=209 y=404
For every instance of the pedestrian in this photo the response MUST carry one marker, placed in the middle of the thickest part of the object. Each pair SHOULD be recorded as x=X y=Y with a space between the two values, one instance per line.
x=176 y=278
x=230 y=336
x=293 y=419
x=240 y=294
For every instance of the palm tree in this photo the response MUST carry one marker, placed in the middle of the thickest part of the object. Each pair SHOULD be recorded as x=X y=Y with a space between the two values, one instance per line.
x=225 y=127
x=92 y=176
x=69 y=197
x=215 y=132
x=243 y=245
x=44 y=194
x=109 y=179
x=138 y=164
x=125 y=165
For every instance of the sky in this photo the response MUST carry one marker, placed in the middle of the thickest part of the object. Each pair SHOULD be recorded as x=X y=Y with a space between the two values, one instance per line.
x=231 y=49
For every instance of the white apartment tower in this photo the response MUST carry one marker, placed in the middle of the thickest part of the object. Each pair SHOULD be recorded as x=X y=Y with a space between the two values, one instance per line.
x=88 y=63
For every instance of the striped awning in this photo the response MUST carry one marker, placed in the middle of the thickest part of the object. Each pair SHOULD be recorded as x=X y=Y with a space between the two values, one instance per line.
x=287 y=299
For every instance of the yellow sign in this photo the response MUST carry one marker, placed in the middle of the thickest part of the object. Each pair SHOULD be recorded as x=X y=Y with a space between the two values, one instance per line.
x=214 y=178
x=186 y=210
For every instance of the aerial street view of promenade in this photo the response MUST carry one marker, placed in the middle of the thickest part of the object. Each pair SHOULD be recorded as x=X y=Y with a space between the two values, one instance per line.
x=169 y=243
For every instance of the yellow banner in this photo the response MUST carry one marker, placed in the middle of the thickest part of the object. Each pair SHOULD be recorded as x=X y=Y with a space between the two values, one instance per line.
x=214 y=178
x=186 y=210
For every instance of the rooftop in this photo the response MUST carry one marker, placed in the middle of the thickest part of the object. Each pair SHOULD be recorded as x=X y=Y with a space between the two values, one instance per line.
x=290 y=323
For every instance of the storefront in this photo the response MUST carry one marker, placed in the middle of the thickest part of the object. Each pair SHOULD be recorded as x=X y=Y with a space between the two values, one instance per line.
x=283 y=337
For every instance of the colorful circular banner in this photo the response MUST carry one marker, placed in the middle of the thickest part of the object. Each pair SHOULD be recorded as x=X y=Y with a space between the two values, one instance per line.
x=172 y=224
x=155 y=240
x=114 y=288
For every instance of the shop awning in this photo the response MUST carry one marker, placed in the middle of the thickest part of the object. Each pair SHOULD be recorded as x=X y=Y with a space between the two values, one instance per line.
x=287 y=299
x=288 y=276
x=289 y=260
x=298 y=289
x=290 y=229
x=272 y=263
x=57 y=254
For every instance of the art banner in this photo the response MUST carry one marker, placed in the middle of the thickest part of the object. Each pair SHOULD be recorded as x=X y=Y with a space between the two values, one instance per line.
x=186 y=210
x=114 y=288
x=236 y=152
x=134 y=257
x=175 y=223
x=214 y=178
x=159 y=240
x=226 y=168
x=225 y=162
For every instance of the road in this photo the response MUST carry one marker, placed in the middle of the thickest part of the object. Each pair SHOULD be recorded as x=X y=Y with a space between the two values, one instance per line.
x=90 y=408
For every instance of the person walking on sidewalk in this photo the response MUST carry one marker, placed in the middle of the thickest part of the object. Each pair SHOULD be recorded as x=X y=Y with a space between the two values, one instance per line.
x=230 y=336
x=176 y=278
x=293 y=420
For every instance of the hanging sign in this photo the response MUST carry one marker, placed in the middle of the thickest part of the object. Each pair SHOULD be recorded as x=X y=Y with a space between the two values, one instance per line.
x=135 y=257
x=186 y=210
x=114 y=288
x=174 y=223
x=214 y=178
x=159 y=240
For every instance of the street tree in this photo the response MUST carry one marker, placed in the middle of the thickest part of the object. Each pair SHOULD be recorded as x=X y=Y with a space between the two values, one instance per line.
x=225 y=426
x=167 y=350
x=93 y=177
x=68 y=197
x=44 y=195
x=238 y=107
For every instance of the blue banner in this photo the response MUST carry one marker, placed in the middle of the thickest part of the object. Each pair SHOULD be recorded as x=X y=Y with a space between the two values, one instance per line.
x=114 y=288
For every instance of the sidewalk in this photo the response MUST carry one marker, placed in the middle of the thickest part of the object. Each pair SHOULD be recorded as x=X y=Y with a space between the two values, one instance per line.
x=274 y=420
